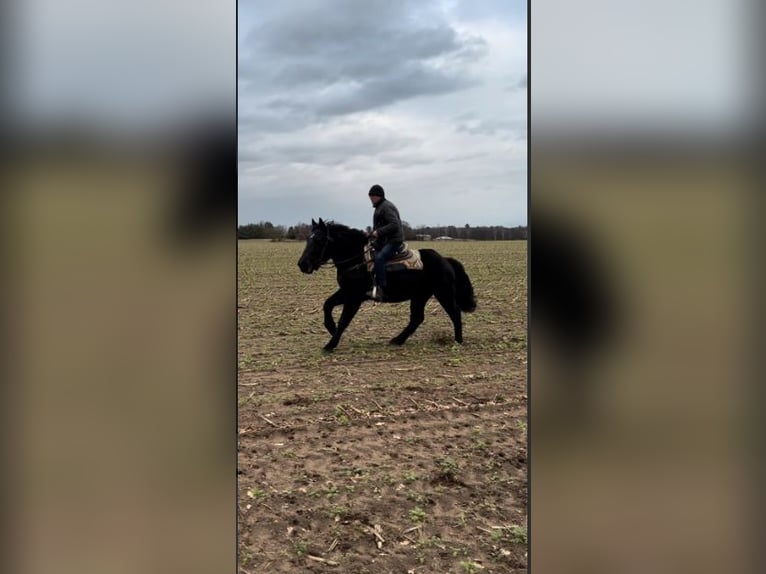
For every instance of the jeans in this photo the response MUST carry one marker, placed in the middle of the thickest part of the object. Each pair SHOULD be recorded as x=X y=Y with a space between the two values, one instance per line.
x=381 y=257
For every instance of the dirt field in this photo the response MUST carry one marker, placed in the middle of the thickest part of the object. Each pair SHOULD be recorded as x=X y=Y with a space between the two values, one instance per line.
x=378 y=459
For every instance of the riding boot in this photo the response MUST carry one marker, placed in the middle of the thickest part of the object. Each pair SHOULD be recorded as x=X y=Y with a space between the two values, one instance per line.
x=376 y=293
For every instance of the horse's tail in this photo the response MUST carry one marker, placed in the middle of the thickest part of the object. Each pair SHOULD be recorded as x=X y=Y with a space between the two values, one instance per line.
x=466 y=300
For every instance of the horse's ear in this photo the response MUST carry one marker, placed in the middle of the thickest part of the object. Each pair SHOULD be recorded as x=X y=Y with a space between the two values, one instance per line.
x=314 y=223
x=321 y=223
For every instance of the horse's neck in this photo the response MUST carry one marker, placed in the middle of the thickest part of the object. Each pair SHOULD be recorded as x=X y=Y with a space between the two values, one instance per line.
x=348 y=251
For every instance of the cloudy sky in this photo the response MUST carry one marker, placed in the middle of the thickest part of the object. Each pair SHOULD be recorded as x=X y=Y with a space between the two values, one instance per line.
x=128 y=65
x=427 y=99
x=648 y=67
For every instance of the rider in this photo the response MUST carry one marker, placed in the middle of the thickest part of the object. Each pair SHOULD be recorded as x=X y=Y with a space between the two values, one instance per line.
x=387 y=234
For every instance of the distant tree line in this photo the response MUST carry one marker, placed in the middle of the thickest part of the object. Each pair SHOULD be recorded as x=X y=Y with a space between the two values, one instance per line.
x=261 y=230
x=479 y=233
x=300 y=231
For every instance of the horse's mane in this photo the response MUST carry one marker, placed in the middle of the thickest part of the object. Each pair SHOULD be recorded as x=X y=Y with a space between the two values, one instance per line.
x=345 y=230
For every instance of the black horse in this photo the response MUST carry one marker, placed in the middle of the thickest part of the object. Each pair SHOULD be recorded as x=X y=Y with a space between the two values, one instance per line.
x=441 y=277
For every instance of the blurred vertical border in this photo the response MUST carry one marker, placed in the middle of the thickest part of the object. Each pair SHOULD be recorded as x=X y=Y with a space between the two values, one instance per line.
x=118 y=287
x=646 y=275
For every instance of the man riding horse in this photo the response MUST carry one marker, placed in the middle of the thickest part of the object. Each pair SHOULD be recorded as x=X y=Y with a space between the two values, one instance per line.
x=388 y=237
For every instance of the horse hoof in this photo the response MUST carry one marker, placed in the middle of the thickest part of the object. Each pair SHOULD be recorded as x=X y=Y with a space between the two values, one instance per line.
x=328 y=348
x=396 y=342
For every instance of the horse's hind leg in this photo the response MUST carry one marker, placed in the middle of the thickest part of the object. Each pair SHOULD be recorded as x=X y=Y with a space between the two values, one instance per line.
x=349 y=310
x=417 y=314
x=447 y=300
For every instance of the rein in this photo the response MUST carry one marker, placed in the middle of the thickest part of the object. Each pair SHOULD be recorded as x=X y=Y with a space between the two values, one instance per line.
x=335 y=263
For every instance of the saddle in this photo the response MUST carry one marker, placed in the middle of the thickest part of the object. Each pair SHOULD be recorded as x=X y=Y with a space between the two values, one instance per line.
x=405 y=260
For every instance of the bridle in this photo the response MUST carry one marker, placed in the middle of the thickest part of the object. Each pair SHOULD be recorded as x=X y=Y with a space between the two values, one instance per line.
x=324 y=249
x=334 y=263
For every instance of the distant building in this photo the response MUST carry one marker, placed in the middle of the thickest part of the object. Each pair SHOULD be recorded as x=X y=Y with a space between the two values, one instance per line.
x=423 y=237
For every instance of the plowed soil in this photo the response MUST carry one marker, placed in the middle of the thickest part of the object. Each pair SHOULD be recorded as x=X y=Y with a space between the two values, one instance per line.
x=378 y=459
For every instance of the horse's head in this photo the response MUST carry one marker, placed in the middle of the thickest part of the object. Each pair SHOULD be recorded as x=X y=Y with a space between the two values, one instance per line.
x=315 y=253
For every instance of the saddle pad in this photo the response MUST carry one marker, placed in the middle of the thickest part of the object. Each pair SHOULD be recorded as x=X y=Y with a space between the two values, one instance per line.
x=406 y=259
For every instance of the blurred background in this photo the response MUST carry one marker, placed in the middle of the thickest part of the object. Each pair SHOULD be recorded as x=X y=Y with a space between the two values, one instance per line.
x=645 y=267
x=118 y=286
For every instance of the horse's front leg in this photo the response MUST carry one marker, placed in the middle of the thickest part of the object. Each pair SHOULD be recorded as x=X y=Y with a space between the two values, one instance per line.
x=349 y=310
x=332 y=301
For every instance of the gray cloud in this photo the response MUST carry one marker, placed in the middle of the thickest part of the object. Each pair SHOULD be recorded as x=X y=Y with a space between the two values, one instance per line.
x=349 y=146
x=344 y=57
x=348 y=31
x=471 y=124
x=257 y=120
x=401 y=84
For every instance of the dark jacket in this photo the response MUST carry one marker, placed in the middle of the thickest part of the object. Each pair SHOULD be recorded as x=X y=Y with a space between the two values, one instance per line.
x=387 y=223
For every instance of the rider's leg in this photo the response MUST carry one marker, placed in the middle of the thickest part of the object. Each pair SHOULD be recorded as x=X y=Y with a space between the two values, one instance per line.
x=381 y=258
